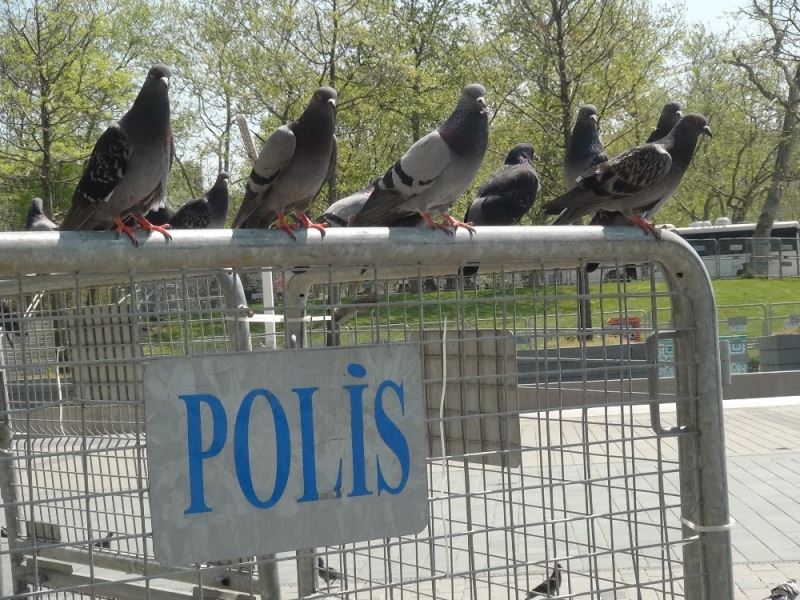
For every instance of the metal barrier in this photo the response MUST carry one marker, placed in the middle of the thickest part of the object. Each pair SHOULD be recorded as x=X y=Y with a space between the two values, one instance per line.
x=539 y=453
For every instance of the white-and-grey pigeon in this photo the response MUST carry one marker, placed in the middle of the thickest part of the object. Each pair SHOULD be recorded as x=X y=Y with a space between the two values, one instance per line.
x=291 y=168
x=207 y=212
x=436 y=170
x=36 y=219
x=342 y=212
x=788 y=590
x=129 y=165
x=550 y=586
x=636 y=181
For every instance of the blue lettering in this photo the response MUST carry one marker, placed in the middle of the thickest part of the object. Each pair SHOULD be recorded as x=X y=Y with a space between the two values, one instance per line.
x=305 y=396
x=357 y=431
x=392 y=436
x=241 y=448
x=194 y=444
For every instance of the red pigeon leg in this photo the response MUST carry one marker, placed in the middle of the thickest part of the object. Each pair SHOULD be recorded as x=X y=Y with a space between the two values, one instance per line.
x=129 y=231
x=639 y=220
x=148 y=226
x=287 y=227
x=455 y=223
x=434 y=225
x=309 y=224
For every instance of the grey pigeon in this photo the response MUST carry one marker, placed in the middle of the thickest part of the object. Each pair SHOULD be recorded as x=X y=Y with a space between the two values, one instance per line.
x=508 y=193
x=549 y=587
x=207 y=212
x=788 y=590
x=36 y=219
x=129 y=165
x=105 y=542
x=584 y=148
x=342 y=212
x=670 y=115
x=636 y=181
x=327 y=574
x=435 y=170
x=291 y=168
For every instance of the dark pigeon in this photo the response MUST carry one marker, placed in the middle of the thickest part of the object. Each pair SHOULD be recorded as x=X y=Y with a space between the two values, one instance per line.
x=508 y=193
x=436 y=170
x=550 y=586
x=291 y=168
x=129 y=165
x=584 y=151
x=207 y=212
x=342 y=212
x=105 y=542
x=788 y=590
x=9 y=322
x=326 y=573
x=637 y=181
x=36 y=219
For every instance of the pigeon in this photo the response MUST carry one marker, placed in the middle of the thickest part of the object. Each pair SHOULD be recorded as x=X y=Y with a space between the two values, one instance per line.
x=36 y=219
x=549 y=587
x=505 y=197
x=638 y=180
x=584 y=148
x=436 y=170
x=105 y=542
x=291 y=168
x=670 y=115
x=788 y=590
x=129 y=165
x=9 y=322
x=210 y=211
x=327 y=574
x=342 y=212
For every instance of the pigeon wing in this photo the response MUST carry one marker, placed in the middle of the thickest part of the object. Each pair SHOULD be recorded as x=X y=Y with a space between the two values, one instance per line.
x=418 y=169
x=106 y=168
x=505 y=197
x=192 y=215
x=274 y=157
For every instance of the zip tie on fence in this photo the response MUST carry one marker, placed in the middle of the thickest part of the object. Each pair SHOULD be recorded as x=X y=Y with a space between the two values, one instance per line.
x=708 y=528
x=444 y=448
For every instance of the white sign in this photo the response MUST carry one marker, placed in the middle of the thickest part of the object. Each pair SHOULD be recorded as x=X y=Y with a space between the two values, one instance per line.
x=257 y=453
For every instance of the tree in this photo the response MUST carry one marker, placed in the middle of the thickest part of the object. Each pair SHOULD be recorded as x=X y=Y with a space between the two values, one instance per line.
x=777 y=47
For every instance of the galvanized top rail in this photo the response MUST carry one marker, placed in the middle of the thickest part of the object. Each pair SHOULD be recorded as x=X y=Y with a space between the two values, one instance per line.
x=103 y=252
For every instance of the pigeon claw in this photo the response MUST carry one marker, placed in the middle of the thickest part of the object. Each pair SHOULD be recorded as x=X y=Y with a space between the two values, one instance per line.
x=455 y=224
x=129 y=231
x=309 y=224
x=149 y=227
x=646 y=225
x=434 y=225
x=286 y=226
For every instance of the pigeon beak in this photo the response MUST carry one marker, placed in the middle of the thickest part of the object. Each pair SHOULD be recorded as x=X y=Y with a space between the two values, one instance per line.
x=332 y=102
x=482 y=103
x=165 y=79
x=707 y=131
x=679 y=113
x=593 y=118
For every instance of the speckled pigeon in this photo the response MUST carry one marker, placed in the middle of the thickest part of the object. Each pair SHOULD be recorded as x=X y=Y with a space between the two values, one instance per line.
x=550 y=586
x=436 y=170
x=636 y=181
x=129 y=165
x=207 y=212
x=36 y=219
x=291 y=168
x=342 y=212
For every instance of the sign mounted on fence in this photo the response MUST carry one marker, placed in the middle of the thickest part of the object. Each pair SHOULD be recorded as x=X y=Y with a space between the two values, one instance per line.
x=256 y=453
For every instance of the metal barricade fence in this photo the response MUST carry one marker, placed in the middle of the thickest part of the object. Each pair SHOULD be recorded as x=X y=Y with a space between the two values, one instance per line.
x=548 y=443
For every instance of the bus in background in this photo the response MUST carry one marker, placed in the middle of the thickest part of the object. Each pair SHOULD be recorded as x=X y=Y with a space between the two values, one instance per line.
x=725 y=248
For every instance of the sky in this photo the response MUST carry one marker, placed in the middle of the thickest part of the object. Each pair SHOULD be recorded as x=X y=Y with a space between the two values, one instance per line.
x=715 y=14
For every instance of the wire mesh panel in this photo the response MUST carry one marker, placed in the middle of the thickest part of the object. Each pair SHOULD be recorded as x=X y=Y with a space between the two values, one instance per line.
x=573 y=445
